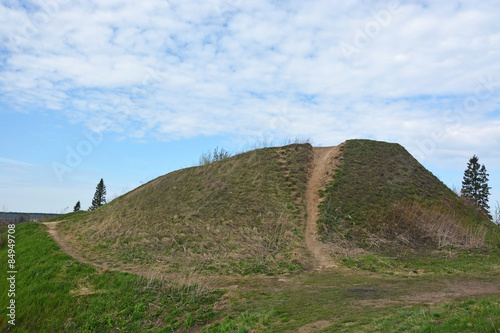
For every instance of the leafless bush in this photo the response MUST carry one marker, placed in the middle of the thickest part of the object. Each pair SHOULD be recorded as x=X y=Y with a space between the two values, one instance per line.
x=217 y=155
x=417 y=223
x=496 y=214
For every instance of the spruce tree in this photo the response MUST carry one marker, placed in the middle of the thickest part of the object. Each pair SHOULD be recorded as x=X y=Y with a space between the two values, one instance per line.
x=99 y=196
x=77 y=207
x=475 y=183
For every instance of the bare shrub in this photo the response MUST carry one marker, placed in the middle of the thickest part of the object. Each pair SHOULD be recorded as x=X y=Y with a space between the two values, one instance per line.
x=496 y=214
x=217 y=155
x=413 y=224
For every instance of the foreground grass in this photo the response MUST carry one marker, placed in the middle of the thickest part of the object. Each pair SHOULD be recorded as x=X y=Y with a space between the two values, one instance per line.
x=55 y=293
x=362 y=303
x=472 y=315
x=478 y=262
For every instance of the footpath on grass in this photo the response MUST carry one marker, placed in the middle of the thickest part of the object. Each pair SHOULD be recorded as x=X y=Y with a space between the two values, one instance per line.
x=65 y=246
x=325 y=161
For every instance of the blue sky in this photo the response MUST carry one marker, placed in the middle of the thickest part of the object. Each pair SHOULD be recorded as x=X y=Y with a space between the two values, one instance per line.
x=130 y=90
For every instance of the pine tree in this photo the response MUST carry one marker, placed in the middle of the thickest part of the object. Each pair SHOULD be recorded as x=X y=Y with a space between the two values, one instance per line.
x=77 y=207
x=99 y=196
x=475 y=183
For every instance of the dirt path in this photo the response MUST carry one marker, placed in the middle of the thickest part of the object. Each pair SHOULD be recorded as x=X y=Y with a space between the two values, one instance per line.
x=63 y=244
x=76 y=253
x=326 y=160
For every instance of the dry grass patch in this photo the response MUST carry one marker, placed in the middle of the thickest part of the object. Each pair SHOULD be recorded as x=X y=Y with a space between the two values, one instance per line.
x=416 y=227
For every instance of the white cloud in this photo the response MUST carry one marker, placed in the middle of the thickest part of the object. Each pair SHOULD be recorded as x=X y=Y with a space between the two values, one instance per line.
x=179 y=69
x=15 y=163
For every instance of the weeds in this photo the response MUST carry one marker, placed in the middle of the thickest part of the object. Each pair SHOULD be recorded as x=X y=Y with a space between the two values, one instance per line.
x=215 y=156
x=414 y=225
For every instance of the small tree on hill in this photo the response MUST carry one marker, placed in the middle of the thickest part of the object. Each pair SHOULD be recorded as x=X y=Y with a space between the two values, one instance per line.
x=99 y=196
x=77 y=207
x=475 y=183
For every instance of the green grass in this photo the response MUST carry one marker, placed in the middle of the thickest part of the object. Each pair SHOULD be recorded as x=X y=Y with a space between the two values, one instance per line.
x=55 y=293
x=70 y=216
x=241 y=215
x=382 y=199
x=449 y=263
x=471 y=315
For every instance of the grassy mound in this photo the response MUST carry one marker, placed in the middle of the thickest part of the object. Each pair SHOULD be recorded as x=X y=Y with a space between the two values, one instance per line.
x=243 y=214
x=383 y=199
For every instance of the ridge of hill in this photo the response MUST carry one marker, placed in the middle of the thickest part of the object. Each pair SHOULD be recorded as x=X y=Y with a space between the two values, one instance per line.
x=382 y=199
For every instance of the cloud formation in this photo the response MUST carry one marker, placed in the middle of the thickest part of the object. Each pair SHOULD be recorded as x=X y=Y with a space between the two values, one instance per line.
x=422 y=73
x=180 y=69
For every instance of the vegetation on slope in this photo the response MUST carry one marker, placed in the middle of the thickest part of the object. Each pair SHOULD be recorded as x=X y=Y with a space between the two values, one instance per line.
x=383 y=199
x=55 y=293
x=243 y=214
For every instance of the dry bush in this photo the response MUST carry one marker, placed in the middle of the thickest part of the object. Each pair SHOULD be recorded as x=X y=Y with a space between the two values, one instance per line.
x=415 y=225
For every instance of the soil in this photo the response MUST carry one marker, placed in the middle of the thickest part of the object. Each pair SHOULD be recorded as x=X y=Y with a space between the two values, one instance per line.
x=449 y=291
x=325 y=161
x=66 y=246
x=63 y=244
x=314 y=327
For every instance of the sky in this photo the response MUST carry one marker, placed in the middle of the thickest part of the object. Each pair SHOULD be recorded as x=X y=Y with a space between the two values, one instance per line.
x=130 y=90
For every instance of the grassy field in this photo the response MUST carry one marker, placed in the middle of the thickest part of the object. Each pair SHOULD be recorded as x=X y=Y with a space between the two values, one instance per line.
x=55 y=293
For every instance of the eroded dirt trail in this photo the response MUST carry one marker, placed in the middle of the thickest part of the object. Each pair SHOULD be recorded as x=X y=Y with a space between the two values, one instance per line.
x=76 y=253
x=326 y=160
x=63 y=244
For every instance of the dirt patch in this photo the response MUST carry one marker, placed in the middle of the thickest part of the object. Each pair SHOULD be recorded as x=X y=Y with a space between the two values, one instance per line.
x=63 y=244
x=85 y=291
x=66 y=246
x=325 y=161
x=452 y=291
x=449 y=292
x=314 y=327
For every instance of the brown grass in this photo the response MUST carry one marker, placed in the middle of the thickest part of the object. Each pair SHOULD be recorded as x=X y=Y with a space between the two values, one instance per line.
x=243 y=214
x=416 y=226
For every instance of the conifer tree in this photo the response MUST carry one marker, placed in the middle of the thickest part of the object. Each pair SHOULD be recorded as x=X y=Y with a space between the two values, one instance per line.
x=475 y=183
x=99 y=196
x=77 y=207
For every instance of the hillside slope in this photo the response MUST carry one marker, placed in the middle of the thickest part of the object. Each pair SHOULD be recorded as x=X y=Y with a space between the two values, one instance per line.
x=382 y=199
x=248 y=213
x=244 y=214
